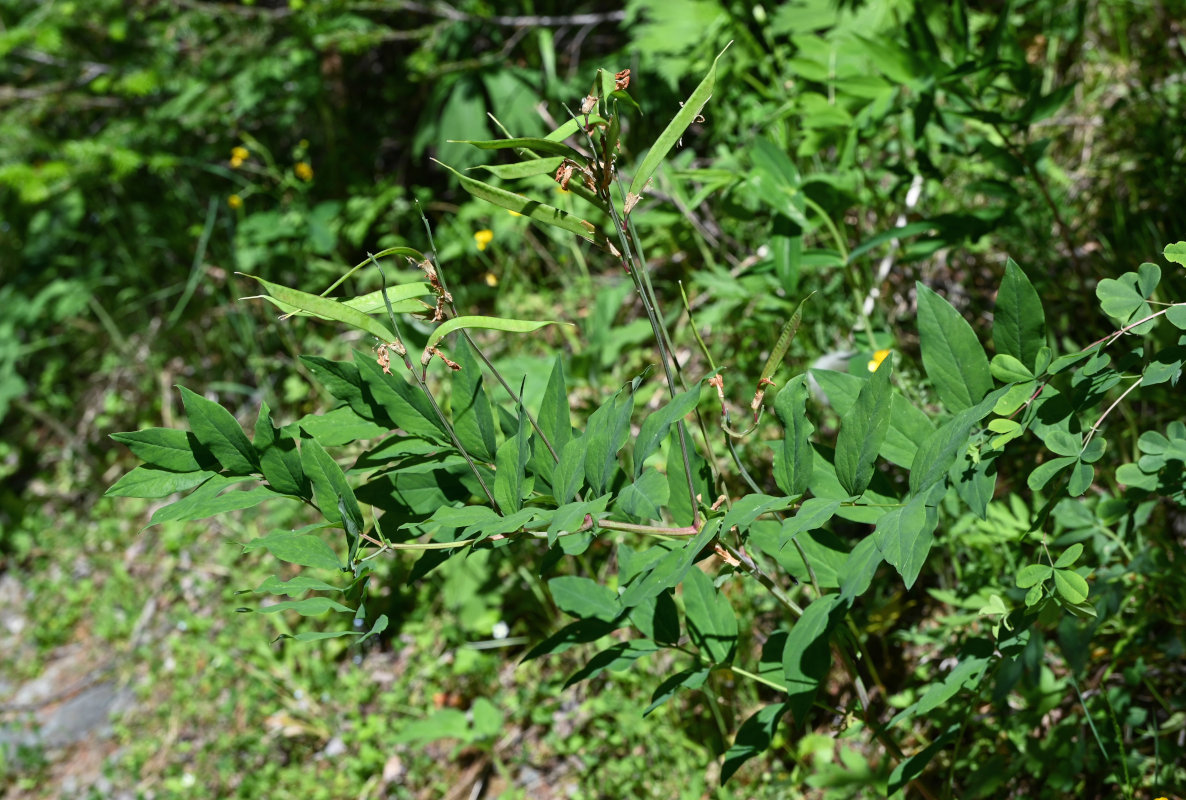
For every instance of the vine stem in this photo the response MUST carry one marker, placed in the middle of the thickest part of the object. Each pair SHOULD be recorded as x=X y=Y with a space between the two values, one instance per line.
x=1109 y=410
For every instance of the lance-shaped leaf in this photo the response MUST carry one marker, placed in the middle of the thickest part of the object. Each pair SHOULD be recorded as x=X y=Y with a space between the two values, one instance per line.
x=524 y=169
x=862 y=432
x=754 y=737
x=153 y=483
x=904 y=537
x=473 y=419
x=675 y=129
x=655 y=427
x=168 y=448
x=404 y=404
x=512 y=468
x=550 y=146
x=608 y=428
x=712 y=625
x=554 y=422
x=793 y=461
x=330 y=486
x=402 y=297
x=908 y=426
x=584 y=598
x=219 y=433
x=488 y=323
x=326 y=308
x=569 y=475
x=938 y=451
x=540 y=212
x=806 y=657
x=210 y=499
x=302 y=548
x=954 y=360
x=279 y=458
x=1018 y=323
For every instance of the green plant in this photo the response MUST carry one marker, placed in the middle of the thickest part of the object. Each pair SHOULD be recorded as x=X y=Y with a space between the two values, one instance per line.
x=677 y=548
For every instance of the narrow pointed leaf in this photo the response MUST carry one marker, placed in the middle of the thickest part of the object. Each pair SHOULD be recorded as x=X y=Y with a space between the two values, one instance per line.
x=487 y=323
x=655 y=427
x=219 y=433
x=540 y=145
x=512 y=460
x=326 y=308
x=807 y=657
x=754 y=737
x=951 y=354
x=712 y=624
x=151 y=482
x=473 y=419
x=862 y=432
x=607 y=431
x=167 y=448
x=904 y=537
x=302 y=549
x=793 y=460
x=1019 y=323
x=584 y=598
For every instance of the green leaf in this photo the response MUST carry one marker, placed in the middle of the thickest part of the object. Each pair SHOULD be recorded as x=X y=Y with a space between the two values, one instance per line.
x=908 y=427
x=606 y=432
x=1071 y=586
x=1007 y=369
x=935 y=455
x=754 y=737
x=1032 y=575
x=806 y=657
x=862 y=432
x=975 y=481
x=1019 y=322
x=403 y=301
x=752 y=506
x=526 y=207
x=206 y=501
x=279 y=458
x=554 y=420
x=645 y=498
x=584 y=598
x=167 y=448
x=154 y=483
x=655 y=427
x=856 y=576
x=793 y=461
x=686 y=679
x=485 y=323
x=675 y=129
x=1166 y=365
x=617 y=658
x=1069 y=556
x=1126 y=298
x=473 y=420
x=904 y=537
x=1176 y=253
x=509 y=479
x=1045 y=472
x=569 y=475
x=295 y=586
x=332 y=492
x=540 y=145
x=302 y=549
x=341 y=379
x=951 y=354
x=219 y=433
x=326 y=308
x=1081 y=477
x=670 y=569
x=309 y=607
x=402 y=403
x=524 y=169
x=712 y=625
x=571 y=516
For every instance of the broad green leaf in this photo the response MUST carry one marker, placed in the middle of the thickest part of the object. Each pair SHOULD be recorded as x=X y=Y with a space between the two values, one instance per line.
x=670 y=569
x=655 y=427
x=206 y=501
x=341 y=379
x=473 y=420
x=807 y=657
x=750 y=507
x=606 y=432
x=330 y=486
x=554 y=419
x=1046 y=471
x=1019 y=322
x=1176 y=253
x=679 y=502
x=154 y=483
x=571 y=516
x=658 y=619
x=644 y=499
x=823 y=550
x=582 y=631
x=309 y=607
x=541 y=145
x=754 y=737
x=908 y=426
x=617 y=658
x=326 y=308
x=279 y=458
x=1032 y=575
x=712 y=625
x=904 y=537
x=486 y=323
x=675 y=129
x=1081 y=477
x=302 y=549
x=1165 y=365
x=1069 y=556
x=793 y=460
x=856 y=576
x=1071 y=586
x=1125 y=298
x=167 y=448
x=219 y=433
x=975 y=481
x=509 y=479
x=935 y=455
x=862 y=432
x=685 y=679
x=569 y=475
x=1007 y=369
x=876 y=500
x=295 y=586
x=402 y=403
x=527 y=207
x=584 y=598
x=951 y=354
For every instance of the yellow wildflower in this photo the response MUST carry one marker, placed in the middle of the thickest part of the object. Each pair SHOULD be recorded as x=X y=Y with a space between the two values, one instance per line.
x=234 y=201
x=878 y=357
x=303 y=171
x=514 y=213
x=483 y=238
x=238 y=156
x=491 y=279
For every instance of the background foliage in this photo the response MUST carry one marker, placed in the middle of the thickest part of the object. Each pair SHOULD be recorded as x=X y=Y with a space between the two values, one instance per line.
x=1036 y=131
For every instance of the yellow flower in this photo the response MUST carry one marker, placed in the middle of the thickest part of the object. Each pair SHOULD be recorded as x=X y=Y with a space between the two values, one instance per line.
x=491 y=279
x=238 y=156
x=514 y=213
x=234 y=201
x=483 y=238
x=878 y=357
x=303 y=171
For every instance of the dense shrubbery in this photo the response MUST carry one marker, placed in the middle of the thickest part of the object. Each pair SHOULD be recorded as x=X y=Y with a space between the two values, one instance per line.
x=955 y=565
